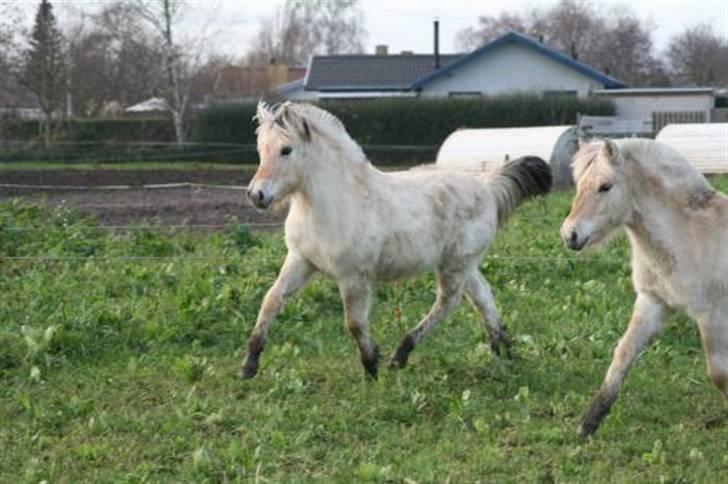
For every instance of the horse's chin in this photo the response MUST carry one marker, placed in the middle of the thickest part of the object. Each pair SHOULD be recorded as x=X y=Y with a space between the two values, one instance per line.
x=599 y=240
x=279 y=205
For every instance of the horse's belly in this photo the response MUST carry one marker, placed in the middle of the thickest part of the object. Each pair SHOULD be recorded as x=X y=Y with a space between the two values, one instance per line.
x=403 y=257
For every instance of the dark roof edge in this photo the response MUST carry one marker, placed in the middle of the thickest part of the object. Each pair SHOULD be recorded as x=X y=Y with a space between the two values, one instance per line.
x=520 y=39
x=360 y=88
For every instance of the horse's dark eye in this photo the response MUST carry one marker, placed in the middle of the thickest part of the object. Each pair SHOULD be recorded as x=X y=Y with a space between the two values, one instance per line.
x=286 y=150
x=605 y=187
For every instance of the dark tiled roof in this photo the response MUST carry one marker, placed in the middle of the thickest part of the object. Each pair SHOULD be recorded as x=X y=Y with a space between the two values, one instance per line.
x=366 y=72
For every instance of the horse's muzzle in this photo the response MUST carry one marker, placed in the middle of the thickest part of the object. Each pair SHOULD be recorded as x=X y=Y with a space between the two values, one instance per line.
x=574 y=242
x=260 y=197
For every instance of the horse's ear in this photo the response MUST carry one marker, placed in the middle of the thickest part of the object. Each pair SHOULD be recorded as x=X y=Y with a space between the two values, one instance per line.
x=610 y=150
x=305 y=131
x=296 y=119
x=263 y=113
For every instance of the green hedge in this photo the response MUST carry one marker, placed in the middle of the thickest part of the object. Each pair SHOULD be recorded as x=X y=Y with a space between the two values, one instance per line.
x=225 y=123
x=413 y=121
x=420 y=122
x=93 y=130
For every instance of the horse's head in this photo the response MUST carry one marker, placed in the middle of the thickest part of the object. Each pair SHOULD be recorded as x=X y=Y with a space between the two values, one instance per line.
x=284 y=138
x=602 y=202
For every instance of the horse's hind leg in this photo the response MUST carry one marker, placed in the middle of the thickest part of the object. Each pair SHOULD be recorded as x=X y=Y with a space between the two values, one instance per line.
x=714 y=333
x=449 y=294
x=356 y=295
x=294 y=274
x=479 y=293
x=645 y=324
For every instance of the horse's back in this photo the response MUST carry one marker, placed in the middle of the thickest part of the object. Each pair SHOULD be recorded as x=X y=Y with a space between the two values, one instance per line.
x=430 y=218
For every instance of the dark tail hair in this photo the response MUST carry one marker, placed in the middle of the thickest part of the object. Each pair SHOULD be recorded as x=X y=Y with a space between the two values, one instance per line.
x=518 y=180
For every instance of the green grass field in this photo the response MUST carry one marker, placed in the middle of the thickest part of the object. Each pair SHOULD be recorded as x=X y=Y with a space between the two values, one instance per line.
x=123 y=369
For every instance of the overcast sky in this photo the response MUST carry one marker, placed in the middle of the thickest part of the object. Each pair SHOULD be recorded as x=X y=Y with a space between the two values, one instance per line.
x=407 y=24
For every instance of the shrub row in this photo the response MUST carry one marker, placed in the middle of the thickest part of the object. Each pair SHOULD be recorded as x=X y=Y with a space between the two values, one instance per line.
x=413 y=121
x=93 y=130
x=416 y=122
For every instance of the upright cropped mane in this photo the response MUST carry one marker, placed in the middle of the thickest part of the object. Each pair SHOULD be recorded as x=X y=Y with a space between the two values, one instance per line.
x=288 y=116
x=660 y=162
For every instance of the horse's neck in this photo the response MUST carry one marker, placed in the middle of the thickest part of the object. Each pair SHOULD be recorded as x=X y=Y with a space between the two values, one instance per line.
x=655 y=227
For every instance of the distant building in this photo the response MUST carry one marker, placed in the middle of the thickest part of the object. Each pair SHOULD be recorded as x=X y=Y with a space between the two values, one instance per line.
x=511 y=63
x=641 y=102
x=149 y=107
x=231 y=83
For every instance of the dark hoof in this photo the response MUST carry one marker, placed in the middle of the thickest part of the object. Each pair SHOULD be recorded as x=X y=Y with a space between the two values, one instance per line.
x=250 y=363
x=587 y=429
x=371 y=362
x=400 y=357
x=598 y=409
x=248 y=371
x=502 y=340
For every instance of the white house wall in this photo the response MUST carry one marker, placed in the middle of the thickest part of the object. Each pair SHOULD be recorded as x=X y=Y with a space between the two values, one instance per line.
x=511 y=68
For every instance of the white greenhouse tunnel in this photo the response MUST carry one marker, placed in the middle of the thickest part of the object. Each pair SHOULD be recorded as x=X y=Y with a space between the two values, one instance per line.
x=704 y=145
x=488 y=149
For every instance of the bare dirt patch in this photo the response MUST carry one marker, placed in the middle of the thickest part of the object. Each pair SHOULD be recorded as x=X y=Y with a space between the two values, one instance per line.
x=168 y=206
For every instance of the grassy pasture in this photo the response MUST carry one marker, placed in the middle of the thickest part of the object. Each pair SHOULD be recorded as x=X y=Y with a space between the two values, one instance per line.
x=122 y=369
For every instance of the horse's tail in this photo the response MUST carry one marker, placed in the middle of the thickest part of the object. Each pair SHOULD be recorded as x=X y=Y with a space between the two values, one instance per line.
x=518 y=180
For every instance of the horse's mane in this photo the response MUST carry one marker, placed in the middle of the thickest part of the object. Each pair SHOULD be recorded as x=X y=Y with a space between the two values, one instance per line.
x=286 y=117
x=656 y=160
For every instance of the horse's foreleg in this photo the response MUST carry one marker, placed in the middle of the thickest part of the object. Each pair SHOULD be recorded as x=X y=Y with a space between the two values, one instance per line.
x=449 y=294
x=356 y=295
x=294 y=274
x=478 y=290
x=645 y=324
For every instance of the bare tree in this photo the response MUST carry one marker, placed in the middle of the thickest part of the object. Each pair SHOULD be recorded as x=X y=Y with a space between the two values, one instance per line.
x=613 y=40
x=137 y=71
x=9 y=53
x=301 y=28
x=626 y=51
x=179 y=62
x=44 y=69
x=698 y=57
x=112 y=58
x=490 y=28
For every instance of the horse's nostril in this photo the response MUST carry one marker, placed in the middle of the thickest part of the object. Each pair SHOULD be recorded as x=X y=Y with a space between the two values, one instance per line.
x=573 y=236
x=260 y=195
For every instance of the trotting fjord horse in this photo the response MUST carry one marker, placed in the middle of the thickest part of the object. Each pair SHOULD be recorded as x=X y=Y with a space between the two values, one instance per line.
x=358 y=225
x=678 y=229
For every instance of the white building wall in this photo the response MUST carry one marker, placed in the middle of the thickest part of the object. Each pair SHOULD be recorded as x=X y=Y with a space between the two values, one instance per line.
x=511 y=68
x=641 y=106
